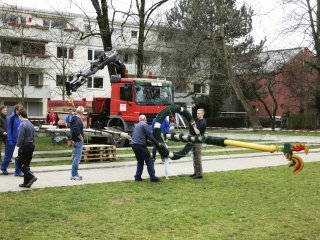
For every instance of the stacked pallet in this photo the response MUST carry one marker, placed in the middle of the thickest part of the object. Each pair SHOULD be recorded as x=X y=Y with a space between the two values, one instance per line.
x=98 y=152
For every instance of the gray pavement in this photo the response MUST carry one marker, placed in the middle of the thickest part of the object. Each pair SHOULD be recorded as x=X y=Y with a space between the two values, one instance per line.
x=56 y=176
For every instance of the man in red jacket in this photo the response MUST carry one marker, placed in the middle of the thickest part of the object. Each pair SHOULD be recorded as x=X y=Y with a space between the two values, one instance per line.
x=52 y=119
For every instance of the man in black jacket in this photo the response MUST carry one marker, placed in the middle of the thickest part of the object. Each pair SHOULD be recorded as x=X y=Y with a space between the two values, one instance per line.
x=77 y=136
x=199 y=129
x=3 y=128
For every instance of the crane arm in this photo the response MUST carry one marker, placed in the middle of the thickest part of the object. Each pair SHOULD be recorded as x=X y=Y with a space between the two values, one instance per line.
x=109 y=57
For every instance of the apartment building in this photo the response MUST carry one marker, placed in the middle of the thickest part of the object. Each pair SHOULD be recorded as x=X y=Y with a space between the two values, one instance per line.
x=40 y=48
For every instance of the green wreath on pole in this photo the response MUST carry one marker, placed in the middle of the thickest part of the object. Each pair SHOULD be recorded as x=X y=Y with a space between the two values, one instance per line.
x=164 y=152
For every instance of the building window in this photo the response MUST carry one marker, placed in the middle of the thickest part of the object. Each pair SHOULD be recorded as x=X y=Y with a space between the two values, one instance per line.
x=10 y=46
x=59 y=80
x=134 y=34
x=126 y=58
x=23 y=20
x=9 y=78
x=53 y=23
x=199 y=88
x=65 y=52
x=87 y=28
x=180 y=87
x=10 y=106
x=30 y=47
x=95 y=82
x=34 y=79
x=94 y=54
x=117 y=32
x=146 y=60
x=10 y=18
x=33 y=108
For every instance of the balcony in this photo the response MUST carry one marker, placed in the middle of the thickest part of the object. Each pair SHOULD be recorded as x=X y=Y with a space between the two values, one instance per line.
x=16 y=59
x=14 y=91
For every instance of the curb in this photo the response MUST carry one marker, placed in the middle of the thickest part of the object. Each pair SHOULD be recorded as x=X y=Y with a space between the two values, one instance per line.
x=182 y=160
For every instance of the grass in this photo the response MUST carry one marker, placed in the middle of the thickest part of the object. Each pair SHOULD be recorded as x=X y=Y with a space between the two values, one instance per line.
x=263 y=203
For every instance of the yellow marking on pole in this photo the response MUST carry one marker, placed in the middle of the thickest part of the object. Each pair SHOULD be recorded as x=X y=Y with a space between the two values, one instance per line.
x=266 y=148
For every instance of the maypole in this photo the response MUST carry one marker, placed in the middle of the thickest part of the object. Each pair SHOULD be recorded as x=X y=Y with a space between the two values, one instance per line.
x=294 y=160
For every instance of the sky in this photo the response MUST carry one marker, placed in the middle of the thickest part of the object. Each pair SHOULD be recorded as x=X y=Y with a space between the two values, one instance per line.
x=268 y=20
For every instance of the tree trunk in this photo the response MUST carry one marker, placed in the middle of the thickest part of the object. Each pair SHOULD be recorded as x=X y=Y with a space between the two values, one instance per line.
x=235 y=85
x=141 y=40
x=104 y=27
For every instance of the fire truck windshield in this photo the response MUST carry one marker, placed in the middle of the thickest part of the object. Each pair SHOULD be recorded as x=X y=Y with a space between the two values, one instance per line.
x=155 y=94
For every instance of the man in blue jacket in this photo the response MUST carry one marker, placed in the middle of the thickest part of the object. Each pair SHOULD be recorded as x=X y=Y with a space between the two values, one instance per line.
x=77 y=136
x=68 y=118
x=12 y=137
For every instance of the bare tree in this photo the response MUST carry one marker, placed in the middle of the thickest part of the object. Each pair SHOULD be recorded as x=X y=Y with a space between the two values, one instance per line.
x=105 y=23
x=140 y=12
x=144 y=19
x=305 y=19
x=22 y=55
x=62 y=55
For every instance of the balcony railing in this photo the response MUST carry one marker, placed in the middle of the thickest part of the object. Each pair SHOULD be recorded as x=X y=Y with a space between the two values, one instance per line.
x=14 y=90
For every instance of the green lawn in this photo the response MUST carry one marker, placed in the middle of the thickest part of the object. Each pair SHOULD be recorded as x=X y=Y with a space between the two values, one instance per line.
x=263 y=203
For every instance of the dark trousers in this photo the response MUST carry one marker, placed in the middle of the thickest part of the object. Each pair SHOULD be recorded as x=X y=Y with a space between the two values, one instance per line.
x=24 y=158
x=197 y=163
x=143 y=156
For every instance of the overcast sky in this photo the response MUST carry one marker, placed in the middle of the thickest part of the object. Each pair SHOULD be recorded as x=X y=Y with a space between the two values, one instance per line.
x=268 y=20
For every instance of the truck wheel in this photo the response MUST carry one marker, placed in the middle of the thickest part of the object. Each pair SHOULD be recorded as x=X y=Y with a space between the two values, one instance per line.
x=117 y=141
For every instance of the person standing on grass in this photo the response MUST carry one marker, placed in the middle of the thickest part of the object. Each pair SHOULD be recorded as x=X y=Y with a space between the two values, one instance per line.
x=165 y=128
x=53 y=119
x=24 y=149
x=3 y=128
x=77 y=136
x=199 y=129
x=12 y=137
x=140 y=134
x=68 y=118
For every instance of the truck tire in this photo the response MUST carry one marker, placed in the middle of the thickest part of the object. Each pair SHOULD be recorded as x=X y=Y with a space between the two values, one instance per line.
x=117 y=141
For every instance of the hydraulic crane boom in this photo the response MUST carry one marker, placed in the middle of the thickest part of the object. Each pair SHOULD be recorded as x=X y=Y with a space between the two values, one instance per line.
x=109 y=57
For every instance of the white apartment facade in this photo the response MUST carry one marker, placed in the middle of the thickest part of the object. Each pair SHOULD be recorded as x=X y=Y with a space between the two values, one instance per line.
x=39 y=47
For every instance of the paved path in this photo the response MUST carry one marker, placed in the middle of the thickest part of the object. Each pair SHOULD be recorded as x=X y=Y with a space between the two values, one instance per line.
x=55 y=176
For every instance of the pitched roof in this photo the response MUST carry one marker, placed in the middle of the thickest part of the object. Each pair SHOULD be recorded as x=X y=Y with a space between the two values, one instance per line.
x=277 y=58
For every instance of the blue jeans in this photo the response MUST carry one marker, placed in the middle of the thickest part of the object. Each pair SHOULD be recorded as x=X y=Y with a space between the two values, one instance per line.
x=77 y=153
x=143 y=156
x=8 y=156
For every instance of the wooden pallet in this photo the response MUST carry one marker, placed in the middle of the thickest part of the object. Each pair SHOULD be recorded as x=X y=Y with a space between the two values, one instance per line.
x=98 y=152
